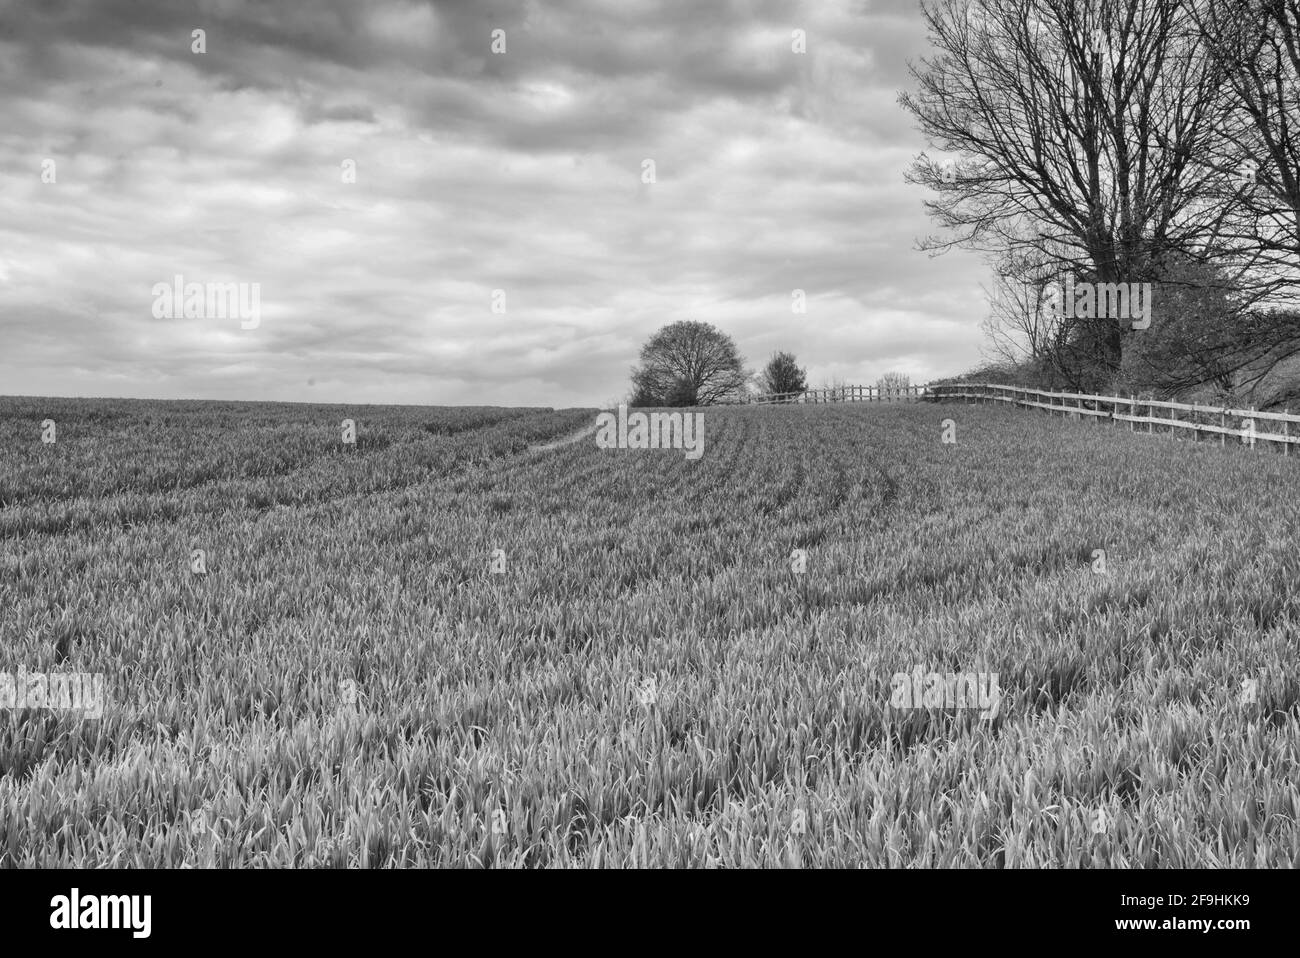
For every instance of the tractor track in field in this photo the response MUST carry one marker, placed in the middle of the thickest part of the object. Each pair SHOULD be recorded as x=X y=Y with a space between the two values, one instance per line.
x=568 y=440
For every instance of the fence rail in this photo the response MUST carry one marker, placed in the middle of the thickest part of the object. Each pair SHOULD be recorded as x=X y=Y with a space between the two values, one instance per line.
x=842 y=394
x=1199 y=420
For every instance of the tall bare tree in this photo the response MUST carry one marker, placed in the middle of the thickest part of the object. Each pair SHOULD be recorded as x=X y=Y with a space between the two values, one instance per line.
x=893 y=385
x=1256 y=46
x=1080 y=118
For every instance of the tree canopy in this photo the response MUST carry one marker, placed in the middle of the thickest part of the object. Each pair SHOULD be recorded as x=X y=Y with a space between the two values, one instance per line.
x=782 y=375
x=688 y=363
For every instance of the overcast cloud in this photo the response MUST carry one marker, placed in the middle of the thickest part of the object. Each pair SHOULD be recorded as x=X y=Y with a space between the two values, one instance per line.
x=475 y=172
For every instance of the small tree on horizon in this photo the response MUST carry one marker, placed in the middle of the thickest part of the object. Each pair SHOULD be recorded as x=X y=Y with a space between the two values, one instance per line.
x=783 y=375
x=688 y=363
x=893 y=384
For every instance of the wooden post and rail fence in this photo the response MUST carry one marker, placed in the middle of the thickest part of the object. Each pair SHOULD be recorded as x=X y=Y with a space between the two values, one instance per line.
x=1246 y=425
x=1249 y=426
x=841 y=394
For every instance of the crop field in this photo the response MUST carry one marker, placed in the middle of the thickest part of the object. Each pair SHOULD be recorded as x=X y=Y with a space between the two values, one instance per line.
x=455 y=642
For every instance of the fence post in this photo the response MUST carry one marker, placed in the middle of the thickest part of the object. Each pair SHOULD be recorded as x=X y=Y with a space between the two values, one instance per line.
x=1286 y=431
x=1223 y=424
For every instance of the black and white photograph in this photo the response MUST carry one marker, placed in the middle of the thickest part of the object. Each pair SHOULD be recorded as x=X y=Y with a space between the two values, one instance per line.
x=651 y=435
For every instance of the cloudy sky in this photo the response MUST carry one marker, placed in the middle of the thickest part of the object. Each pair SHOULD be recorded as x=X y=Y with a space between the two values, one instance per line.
x=500 y=243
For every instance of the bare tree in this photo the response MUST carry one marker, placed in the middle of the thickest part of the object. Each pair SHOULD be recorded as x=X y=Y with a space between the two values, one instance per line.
x=1078 y=117
x=1020 y=327
x=893 y=385
x=688 y=364
x=1256 y=46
